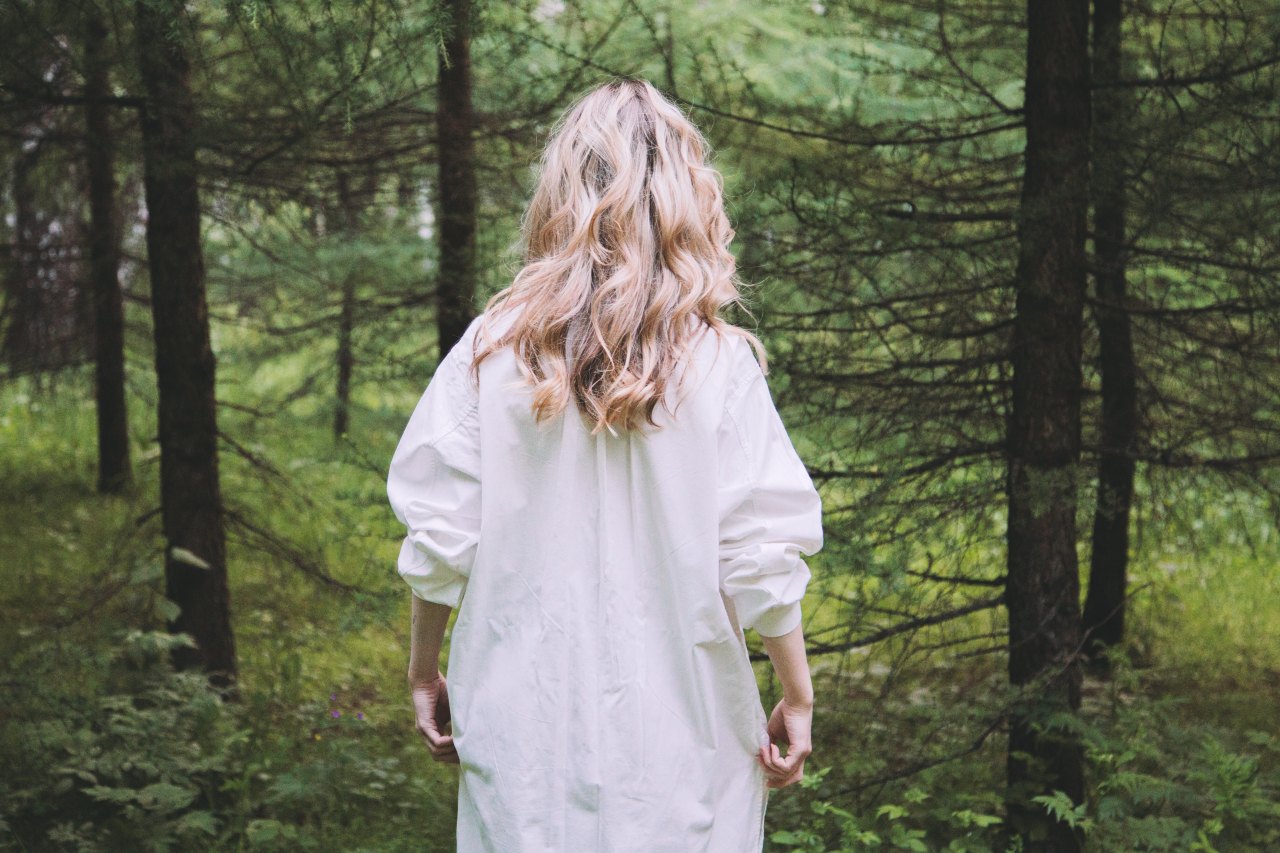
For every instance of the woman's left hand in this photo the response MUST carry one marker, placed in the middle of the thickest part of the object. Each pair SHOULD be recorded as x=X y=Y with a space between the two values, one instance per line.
x=431 y=706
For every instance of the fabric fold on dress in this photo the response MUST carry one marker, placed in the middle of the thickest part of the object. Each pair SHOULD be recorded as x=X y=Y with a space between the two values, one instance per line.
x=770 y=512
x=433 y=486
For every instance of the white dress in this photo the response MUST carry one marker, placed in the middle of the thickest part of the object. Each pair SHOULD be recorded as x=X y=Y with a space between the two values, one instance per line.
x=601 y=694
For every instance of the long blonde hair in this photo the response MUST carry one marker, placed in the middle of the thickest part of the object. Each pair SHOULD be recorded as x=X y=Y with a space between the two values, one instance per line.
x=626 y=259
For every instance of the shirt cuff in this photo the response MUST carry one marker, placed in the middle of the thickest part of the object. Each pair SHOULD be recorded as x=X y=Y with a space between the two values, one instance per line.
x=428 y=576
x=779 y=620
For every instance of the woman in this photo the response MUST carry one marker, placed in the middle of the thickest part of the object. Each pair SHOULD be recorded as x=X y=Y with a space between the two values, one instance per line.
x=597 y=478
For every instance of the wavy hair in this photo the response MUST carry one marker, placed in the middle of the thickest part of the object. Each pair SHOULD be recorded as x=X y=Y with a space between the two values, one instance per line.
x=626 y=259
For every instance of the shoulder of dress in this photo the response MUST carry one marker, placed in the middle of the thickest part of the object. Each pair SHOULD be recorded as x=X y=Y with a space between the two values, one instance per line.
x=744 y=370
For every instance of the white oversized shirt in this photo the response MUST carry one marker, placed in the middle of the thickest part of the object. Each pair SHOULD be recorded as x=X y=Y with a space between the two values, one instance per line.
x=599 y=684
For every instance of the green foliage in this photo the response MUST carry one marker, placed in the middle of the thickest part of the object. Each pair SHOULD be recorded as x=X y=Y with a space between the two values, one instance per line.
x=105 y=748
x=154 y=760
x=924 y=819
x=1159 y=779
x=1164 y=781
x=137 y=766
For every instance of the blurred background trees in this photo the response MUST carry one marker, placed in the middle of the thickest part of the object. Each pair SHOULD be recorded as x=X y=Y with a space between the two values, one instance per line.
x=1016 y=265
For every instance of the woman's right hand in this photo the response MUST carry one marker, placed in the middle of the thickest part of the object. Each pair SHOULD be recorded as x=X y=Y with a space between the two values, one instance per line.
x=790 y=726
x=432 y=717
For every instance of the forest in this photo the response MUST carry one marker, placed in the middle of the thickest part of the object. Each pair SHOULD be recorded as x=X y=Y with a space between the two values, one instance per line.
x=1017 y=269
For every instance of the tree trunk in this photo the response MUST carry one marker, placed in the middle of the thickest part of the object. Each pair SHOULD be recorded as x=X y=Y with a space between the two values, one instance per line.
x=349 y=219
x=1104 y=606
x=195 y=556
x=114 y=468
x=456 y=281
x=23 y=338
x=346 y=358
x=1042 y=586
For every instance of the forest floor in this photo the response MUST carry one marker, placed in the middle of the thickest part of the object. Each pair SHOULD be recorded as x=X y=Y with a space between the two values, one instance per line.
x=321 y=623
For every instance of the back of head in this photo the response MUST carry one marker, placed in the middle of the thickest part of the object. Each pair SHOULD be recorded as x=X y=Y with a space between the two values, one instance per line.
x=626 y=259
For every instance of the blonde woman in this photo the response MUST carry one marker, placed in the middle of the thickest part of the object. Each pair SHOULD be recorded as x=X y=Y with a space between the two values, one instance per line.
x=597 y=478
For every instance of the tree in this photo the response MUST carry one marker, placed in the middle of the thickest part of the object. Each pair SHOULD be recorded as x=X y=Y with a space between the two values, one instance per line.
x=1185 y=269
x=47 y=319
x=347 y=215
x=456 y=203
x=1042 y=576
x=1103 y=624
x=190 y=493
x=114 y=469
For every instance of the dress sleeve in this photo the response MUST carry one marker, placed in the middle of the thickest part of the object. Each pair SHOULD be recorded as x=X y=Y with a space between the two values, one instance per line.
x=433 y=484
x=770 y=512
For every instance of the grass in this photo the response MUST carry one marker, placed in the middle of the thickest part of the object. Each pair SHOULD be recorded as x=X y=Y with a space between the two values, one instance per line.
x=326 y=615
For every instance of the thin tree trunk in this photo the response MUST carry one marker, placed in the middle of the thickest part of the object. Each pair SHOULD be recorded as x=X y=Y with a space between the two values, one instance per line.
x=456 y=285
x=1104 y=606
x=23 y=340
x=195 y=556
x=349 y=213
x=114 y=469
x=1042 y=586
x=346 y=358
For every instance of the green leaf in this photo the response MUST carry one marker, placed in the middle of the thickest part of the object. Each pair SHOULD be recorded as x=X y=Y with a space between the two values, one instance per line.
x=262 y=830
x=107 y=794
x=197 y=821
x=163 y=796
x=182 y=555
x=784 y=837
x=166 y=608
x=893 y=810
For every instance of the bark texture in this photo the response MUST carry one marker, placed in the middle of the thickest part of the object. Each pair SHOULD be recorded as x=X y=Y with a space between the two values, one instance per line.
x=115 y=470
x=195 y=556
x=1105 y=604
x=456 y=285
x=1042 y=584
x=348 y=217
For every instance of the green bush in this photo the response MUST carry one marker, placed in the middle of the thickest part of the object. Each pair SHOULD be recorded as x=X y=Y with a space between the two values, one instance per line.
x=149 y=759
x=1163 y=780
x=1159 y=780
x=138 y=766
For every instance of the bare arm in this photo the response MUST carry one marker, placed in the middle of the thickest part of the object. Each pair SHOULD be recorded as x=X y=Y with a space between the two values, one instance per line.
x=426 y=640
x=791 y=722
x=426 y=685
x=787 y=654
